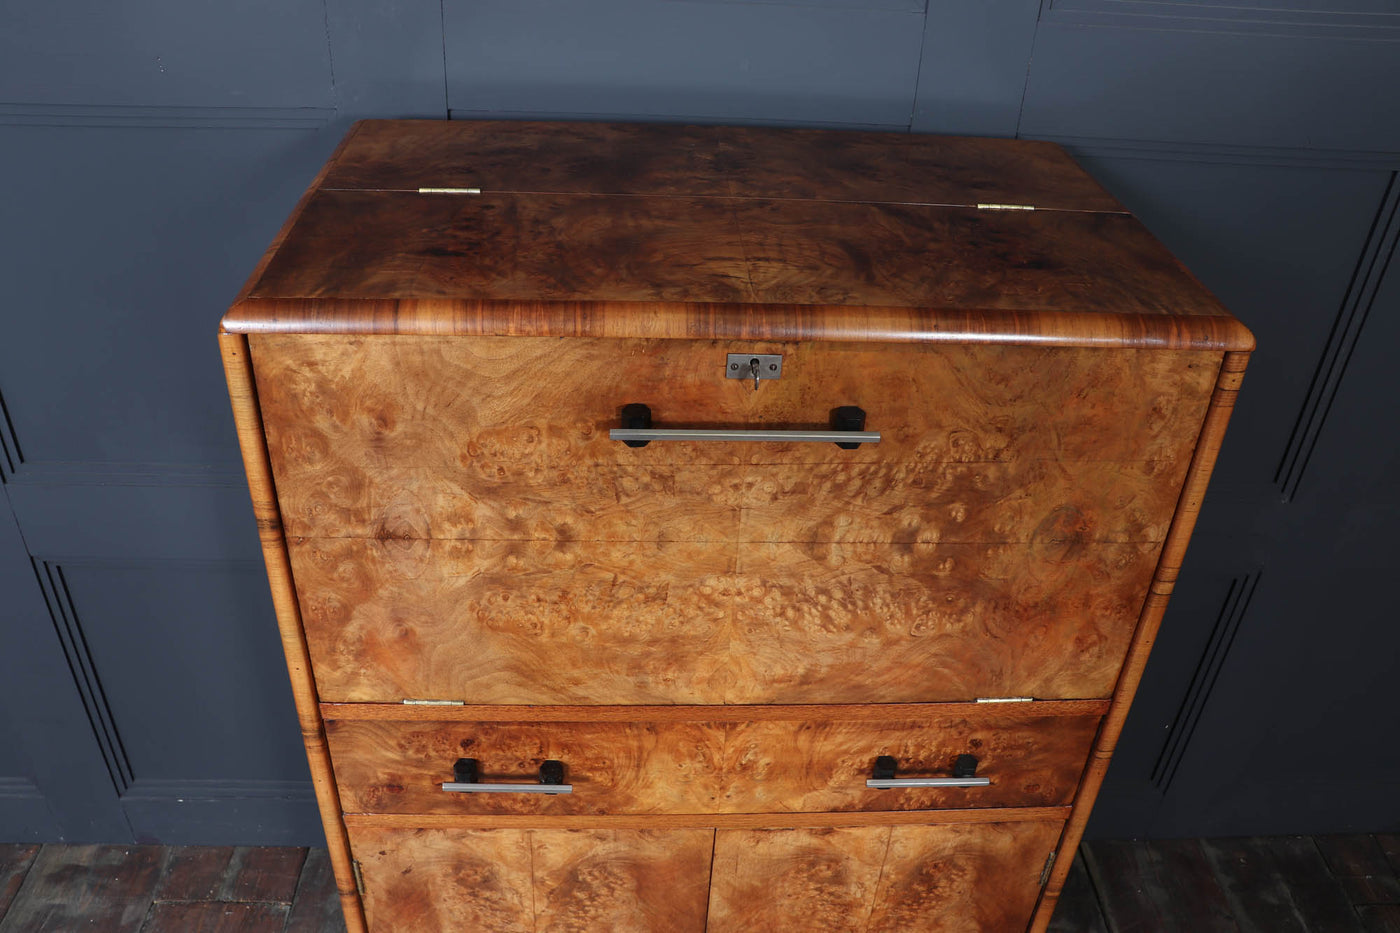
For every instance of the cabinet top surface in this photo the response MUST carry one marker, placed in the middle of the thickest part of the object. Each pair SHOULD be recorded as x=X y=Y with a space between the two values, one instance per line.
x=643 y=230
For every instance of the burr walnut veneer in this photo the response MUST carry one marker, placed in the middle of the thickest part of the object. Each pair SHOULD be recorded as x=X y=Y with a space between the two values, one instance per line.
x=721 y=639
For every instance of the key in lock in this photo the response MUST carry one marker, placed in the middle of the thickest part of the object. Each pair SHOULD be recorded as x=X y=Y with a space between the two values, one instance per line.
x=755 y=366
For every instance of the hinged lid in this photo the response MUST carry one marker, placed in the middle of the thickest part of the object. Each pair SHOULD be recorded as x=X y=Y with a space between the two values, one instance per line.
x=616 y=230
x=659 y=160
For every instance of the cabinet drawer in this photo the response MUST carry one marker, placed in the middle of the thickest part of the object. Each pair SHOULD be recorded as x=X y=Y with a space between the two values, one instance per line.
x=697 y=761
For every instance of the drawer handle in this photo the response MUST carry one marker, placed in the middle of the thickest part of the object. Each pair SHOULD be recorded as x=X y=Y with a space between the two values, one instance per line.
x=847 y=430
x=964 y=775
x=465 y=773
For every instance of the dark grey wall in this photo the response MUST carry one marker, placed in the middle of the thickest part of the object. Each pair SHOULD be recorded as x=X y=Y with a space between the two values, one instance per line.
x=150 y=149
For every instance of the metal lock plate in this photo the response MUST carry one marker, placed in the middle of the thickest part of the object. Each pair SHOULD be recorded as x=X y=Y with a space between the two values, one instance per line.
x=753 y=366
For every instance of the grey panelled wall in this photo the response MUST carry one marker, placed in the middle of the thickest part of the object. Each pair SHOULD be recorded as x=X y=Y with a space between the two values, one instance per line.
x=151 y=149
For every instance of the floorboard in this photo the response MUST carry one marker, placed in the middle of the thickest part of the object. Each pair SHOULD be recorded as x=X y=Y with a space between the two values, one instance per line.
x=1258 y=897
x=1361 y=865
x=317 y=905
x=14 y=865
x=1390 y=845
x=1078 y=910
x=194 y=873
x=263 y=874
x=216 y=917
x=1319 y=897
x=1381 y=918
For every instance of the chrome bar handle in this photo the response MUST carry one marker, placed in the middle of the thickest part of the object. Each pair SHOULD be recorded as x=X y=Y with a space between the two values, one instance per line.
x=964 y=775
x=757 y=434
x=894 y=783
x=847 y=431
x=458 y=787
x=465 y=771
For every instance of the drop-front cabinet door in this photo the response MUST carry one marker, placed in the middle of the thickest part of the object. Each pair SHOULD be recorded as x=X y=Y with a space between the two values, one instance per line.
x=462 y=527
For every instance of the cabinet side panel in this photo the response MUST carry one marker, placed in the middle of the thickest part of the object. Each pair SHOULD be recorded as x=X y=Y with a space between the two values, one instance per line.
x=238 y=370
x=1193 y=493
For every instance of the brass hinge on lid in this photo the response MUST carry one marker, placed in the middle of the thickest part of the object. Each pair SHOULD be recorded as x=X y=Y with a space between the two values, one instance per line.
x=1006 y=207
x=1005 y=699
x=411 y=702
x=449 y=191
x=359 y=878
x=1045 y=872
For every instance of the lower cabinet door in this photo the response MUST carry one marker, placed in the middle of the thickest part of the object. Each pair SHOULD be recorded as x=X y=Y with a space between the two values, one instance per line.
x=973 y=877
x=533 y=880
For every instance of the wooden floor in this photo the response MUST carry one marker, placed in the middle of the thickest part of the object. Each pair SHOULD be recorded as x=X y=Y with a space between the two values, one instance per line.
x=159 y=889
x=1279 y=884
x=1332 y=884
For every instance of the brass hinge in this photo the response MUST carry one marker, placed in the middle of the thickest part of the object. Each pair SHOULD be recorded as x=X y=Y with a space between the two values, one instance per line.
x=359 y=878
x=1005 y=699
x=409 y=702
x=1006 y=207
x=1045 y=872
x=449 y=191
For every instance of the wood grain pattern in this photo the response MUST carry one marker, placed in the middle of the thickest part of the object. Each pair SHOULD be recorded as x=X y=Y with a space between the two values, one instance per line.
x=614 y=767
x=435 y=880
x=809 y=712
x=722 y=233
x=783 y=879
x=291 y=221
x=433 y=437
x=1032 y=761
x=1037 y=501
x=1207 y=449
x=902 y=878
x=733 y=321
x=705 y=820
x=518 y=156
x=629 y=881
x=1033 y=758
x=248 y=420
x=939 y=878
x=539 y=623
x=588 y=248
x=712 y=161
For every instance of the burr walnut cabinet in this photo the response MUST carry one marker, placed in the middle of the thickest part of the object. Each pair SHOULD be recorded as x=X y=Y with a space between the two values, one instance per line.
x=692 y=528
